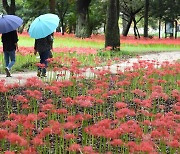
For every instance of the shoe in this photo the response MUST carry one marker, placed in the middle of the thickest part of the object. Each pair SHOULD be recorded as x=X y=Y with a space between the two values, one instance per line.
x=43 y=75
x=39 y=73
x=8 y=74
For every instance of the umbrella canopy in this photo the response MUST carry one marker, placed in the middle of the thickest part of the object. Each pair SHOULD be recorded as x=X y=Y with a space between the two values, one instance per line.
x=9 y=23
x=43 y=25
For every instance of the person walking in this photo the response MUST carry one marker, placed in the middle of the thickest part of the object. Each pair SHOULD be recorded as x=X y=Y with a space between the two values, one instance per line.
x=10 y=45
x=43 y=46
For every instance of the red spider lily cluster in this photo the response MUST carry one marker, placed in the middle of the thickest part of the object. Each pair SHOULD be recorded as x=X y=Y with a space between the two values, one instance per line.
x=135 y=111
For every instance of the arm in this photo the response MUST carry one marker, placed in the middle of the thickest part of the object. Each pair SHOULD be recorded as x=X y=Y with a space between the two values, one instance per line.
x=35 y=50
x=16 y=40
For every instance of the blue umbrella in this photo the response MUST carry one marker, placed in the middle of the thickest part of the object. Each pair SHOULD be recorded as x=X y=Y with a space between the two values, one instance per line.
x=9 y=23
x=43 y=25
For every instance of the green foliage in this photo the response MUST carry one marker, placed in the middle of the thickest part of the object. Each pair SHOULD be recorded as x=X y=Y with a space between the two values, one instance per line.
x=165 y=9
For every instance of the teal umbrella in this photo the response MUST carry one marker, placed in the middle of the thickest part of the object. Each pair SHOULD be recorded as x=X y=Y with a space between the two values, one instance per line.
x=43 y=25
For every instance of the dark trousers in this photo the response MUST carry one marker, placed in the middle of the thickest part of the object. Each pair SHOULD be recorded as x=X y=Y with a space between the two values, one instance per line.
x=43 y=60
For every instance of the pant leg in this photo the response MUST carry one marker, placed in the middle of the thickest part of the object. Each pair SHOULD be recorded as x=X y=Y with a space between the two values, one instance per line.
x=6 y=58
x=43 y=60
x=12 y=58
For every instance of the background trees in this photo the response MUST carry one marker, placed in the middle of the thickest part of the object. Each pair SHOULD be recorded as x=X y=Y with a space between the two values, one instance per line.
x=84 y=17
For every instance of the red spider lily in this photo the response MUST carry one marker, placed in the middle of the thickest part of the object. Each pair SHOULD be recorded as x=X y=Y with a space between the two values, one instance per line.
x=25 y=106
x=68 y=101
x=133 y=147
x=61 y=111
x=147 y=103
x=3 y=133
x=30 y=150
x=36 y=141
x=28 y=125
x=99 y=101
x=96 y=91
x=69 y=136
x=87 y=116
x=34 y=82
x=85 y=103
x=120 y=105
x=156 y=95
x=31 y=117
x=55 y=126
x=175 y=93
x=41 y=115
x=34 y=94
x=112 y=133
x=40 y=65
x=20 y=98
x=174 y=143
x=74 y=147
x=176 y=107
x=88 y=150
x=54 y=89
x=123 y=83
x=139 y=92
x=178 y=82
x=3 y=88
x=147 y=147
x=132 y=128
x=64 y=83
x=47 y=107
x=16 y=139
x=124 y=112
x=70 y=125
x=116 y=142
x=49 y=101
x=46 y=131
x=11 y=125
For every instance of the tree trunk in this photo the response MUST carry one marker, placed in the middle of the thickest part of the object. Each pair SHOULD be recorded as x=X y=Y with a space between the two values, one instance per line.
x=159 y=28
x=62 y=25
x=10 y=9
x=112 y=36
x=125 y=20
x=146 y=18
x=126 y=30
x=52 y=4
x=82 y=23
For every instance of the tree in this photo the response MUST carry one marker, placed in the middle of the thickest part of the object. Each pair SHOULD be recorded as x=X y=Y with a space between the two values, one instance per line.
x=112 y=36
x=130 y=8
x=165 y=10
x=52 y=5
x=62 y=8
x=10 y=8
x=82 y=23
x=146 y=11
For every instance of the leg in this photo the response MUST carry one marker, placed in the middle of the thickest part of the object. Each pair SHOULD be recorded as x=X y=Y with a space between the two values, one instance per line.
x=6 y=58
x=12 y=58
x=44 y=56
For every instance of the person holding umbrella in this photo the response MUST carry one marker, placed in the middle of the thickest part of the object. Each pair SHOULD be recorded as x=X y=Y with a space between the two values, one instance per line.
x=42 y=29
x=9 y=38
x=43 y=46
x=10 y=45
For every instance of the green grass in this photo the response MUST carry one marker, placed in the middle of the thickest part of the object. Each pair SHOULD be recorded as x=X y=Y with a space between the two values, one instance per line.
x=149 y=48
x=72 y=42
x=127 y=50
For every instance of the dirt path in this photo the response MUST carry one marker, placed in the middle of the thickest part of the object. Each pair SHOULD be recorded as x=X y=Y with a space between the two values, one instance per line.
x=160 y=57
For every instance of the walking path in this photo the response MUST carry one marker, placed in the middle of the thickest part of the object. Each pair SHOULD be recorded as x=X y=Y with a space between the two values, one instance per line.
x=160 y=57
